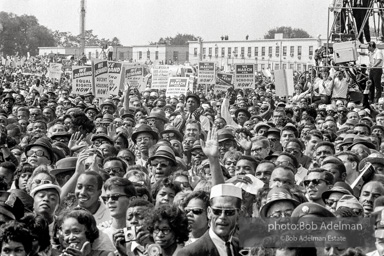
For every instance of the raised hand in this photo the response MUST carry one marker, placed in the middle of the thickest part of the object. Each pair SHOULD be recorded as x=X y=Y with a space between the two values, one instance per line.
x=210 y=147
x=75 y=140
x=111 y=130
x=243 y=141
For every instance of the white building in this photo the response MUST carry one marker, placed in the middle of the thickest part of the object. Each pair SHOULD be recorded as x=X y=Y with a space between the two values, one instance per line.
x=160 y=53
x=292 y=53
x=119 y=52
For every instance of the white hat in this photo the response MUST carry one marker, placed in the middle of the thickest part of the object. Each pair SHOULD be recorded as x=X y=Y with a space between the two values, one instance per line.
x=226 y=190
x=45 y=187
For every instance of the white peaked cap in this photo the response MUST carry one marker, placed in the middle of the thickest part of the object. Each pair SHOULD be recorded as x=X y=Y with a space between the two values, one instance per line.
x=226 y=190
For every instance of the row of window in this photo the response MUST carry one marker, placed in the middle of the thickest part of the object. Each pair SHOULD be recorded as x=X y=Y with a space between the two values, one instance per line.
x=255 y=51
x=175 y=55
x=298 y=67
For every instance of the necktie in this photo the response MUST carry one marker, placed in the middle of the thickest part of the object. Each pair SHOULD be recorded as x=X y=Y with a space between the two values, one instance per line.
x=228 y=246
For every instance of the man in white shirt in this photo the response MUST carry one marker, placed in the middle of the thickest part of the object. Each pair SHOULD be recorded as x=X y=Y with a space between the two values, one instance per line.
x=375 y=71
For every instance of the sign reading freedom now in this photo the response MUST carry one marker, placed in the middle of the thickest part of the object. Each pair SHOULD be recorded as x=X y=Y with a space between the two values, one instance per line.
x=82 y=79
x=244 y=76
x=177 y=86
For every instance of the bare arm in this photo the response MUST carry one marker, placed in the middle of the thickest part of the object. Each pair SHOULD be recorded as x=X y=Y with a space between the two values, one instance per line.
x=211 y=150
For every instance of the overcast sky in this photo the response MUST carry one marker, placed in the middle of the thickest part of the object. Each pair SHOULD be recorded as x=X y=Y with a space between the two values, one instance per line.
x=137 y=22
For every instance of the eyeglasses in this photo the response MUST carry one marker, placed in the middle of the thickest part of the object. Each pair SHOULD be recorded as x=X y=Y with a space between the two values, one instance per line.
x=315 y=182
x=195 y=211
x=39 y=153
x=230 y=163
x=330 y=202
x=162 y=164
x=279 y=214
x=113 y=170
x=165 y=231
x=38 y=181
x=114 y=197
x=282 y=163
x=227 y=212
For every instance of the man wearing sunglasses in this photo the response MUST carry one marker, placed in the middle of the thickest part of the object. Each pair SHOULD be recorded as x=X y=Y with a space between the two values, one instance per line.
x=118 y=194
x=223 y=214
x=316 y=183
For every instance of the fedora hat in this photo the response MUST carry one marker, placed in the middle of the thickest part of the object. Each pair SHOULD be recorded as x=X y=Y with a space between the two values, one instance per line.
x=128 y=116
x=164 y=152
x=244 y=111
x=374 y=158
x=108 y=102
x=102 y=136
x=107 y=119
x=144 y=128
x=172 y=129
x=197 y=98
x=340 y=187
x=8 y=96
x=42 y=142
x=277 y=194
x=64 y=165
x=11 y=206
x=158 y=114
x=362 y=140
x=91 y=107
x=224 y=134
x=262 y=124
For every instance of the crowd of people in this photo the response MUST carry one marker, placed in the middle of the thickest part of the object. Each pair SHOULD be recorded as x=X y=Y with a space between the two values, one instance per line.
x=146 y=174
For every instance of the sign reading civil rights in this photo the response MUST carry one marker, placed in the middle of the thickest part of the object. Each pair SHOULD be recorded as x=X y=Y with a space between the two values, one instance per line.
x=54 y=71
x=177 y=86
x=82 y=79
x=115 y=73
x=206 y=73
x=160 y=75
x=244 y=76
x=101 y=79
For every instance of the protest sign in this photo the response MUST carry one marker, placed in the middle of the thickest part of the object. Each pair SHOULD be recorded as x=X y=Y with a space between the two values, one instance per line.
x=160 y=75
x=284 y=82
x=101 y=79
x=54 y=71
x=244 y=76
x=224 y=81
x=134 y=76
x=115 y=73
x=206 y=73
x=82 y=79
x=177 y=86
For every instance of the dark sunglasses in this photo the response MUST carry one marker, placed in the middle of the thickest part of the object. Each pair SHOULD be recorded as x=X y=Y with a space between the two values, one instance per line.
x=112 y=197
x=195 y=211
x=227 y=212
x=315 y=182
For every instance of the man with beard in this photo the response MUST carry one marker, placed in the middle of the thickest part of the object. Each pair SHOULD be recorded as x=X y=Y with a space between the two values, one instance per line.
x=144 y=138
x=369 y=193
x=225 y=201
x=316 y=183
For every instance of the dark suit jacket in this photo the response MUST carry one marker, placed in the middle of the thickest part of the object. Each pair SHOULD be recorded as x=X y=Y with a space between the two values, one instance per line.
x=205 y=247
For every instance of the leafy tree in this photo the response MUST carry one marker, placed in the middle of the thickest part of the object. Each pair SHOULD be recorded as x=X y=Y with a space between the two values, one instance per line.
x=66 y=39
x=179 y=39
x=22 y=34
x=288 y=32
